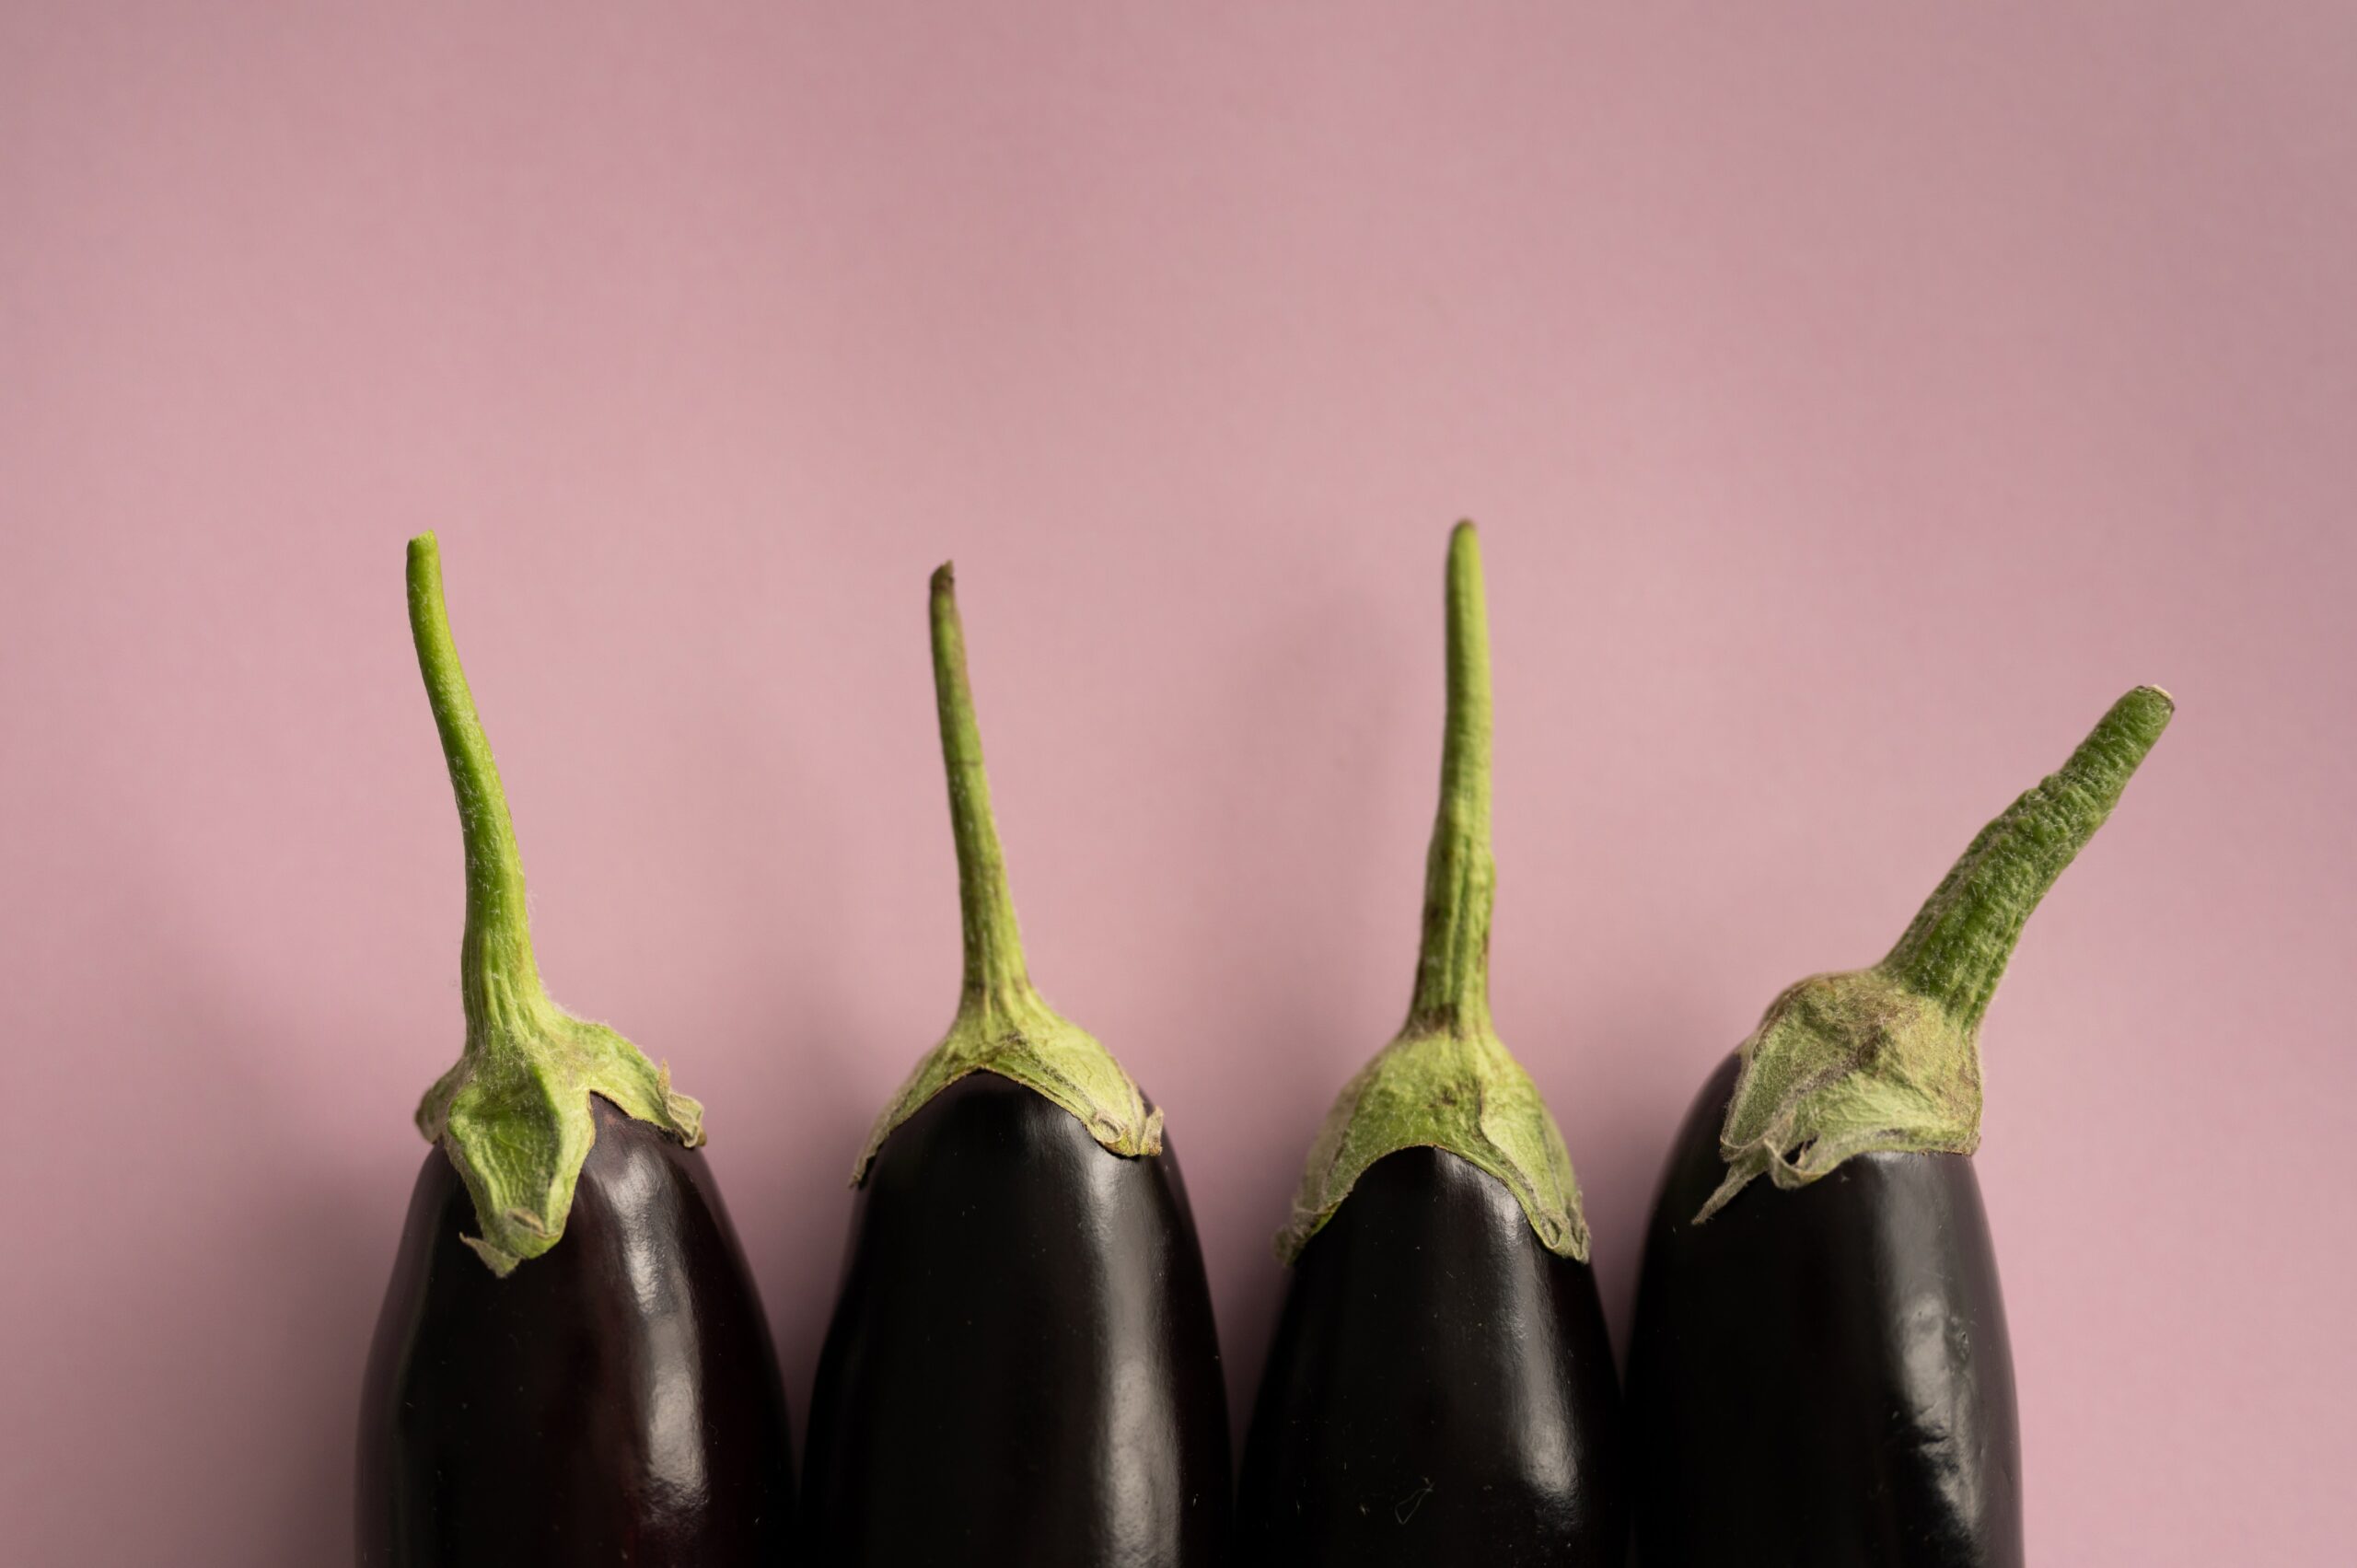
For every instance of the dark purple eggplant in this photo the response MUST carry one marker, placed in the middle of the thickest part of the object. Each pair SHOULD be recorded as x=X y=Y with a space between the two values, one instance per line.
x=572 y=1366
x=1021 y=1367
x=1440 y=1389
x=1819 y=1375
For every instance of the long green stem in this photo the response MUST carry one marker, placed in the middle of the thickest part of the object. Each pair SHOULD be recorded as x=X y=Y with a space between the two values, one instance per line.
x=1460 y=875
x=1957 y=947
x=1003 y=1025
x=996 y=974
x=1447 y=1081
x=496 y=970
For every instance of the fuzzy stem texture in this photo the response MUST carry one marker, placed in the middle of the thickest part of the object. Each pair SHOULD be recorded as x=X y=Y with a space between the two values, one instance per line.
x=514 y=1114
x=1887 y=1059
x=1447 y=1081
x=1004 y=1024
x=497 y=971
x=996 y=974
x=1956 y=949
x=1452 y=992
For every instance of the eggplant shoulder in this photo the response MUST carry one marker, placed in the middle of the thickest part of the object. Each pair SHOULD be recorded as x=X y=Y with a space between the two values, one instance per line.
x=1022 y=1366
x=1438 y=1375
x=1822 y=1376
x=615 y=1399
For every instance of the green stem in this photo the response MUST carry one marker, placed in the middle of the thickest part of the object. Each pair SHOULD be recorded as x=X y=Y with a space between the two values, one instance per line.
x=995 y=975
x=1460 y=876
x=497 y=974
x=1447 y=1081
x=1957 y=949
x=1003 y=1024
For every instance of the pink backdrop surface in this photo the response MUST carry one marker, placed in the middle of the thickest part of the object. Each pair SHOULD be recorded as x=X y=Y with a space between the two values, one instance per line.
x=1856 y=399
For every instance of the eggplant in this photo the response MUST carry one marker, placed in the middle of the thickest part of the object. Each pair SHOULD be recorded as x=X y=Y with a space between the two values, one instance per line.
x=1022 y=1366
x=1440 y=1389
x=572 y=1366
x=1819 y=1373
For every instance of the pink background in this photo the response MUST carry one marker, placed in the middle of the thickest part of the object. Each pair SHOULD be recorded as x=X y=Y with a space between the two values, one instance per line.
x=1856 y=399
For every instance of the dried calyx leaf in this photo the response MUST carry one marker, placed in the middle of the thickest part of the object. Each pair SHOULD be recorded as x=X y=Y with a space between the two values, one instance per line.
x=1889 y=1058
x=1448 y=1081
x=514 y=1114
x=1004 y=1024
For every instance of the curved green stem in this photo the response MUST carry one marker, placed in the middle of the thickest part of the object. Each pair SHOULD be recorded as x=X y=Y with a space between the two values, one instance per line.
x=496 y=969
x=1460 y=874
x=996 y=974
x=1955 y=950
x=514 y=1113
x=1887 y=1059
x=1004 y=1024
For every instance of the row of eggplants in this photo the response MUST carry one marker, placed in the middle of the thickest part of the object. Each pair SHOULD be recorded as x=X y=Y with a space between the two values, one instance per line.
x=573 y=1366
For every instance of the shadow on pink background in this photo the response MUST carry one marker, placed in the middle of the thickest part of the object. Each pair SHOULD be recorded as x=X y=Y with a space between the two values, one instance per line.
x=1854 y=403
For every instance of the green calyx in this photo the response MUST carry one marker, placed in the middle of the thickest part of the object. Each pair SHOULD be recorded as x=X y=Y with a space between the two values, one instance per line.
x=514 y=1115
x=1004 y=1024
x=1889 y=1058
x=1448 y=1081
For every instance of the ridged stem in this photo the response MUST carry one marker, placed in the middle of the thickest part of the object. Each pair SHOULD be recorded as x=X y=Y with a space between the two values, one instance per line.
x=497 y=973
x=1957 y=949
x=995 y=974
x=1460 y=875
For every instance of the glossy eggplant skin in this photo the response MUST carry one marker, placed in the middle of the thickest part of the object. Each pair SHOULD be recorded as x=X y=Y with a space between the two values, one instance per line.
x=1021 y=1367
x=1821 y=1377
x=1440 y=1390
x=615 y=1399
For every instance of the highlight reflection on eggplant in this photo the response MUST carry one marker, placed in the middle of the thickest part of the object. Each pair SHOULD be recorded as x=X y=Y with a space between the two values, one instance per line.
x=572 y=1366
x=1820 y=1374
x=1022 y=1366
x=1440 y=1389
